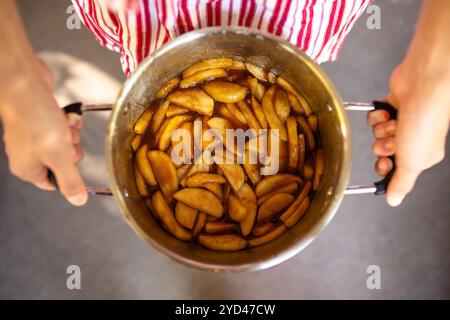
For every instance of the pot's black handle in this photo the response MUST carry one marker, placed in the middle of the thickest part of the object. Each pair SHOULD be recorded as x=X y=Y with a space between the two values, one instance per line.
x=381 y=186
x=73 y=108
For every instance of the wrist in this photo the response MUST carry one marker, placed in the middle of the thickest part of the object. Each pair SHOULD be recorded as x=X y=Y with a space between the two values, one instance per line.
x=17 y=80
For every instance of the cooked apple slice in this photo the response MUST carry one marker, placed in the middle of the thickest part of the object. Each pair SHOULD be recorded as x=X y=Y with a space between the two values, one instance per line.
x=136 y=142
x=185 y=215
x=271 y=116
x=248 y=114
x=215 y=227
x=294 y=205
x=308 y=171
x=234 y=174
x=144 y=166
x=272 y=183
x=248 y=199
x=226 y=192
x=195 y=168
x=257 y=89
x=167 y=88
x=220 y=123
x=159 y=132
x=269 y=236
x=149 y=205
x=193 y=99
x=282 y=105
x=237 y=65
x=319 y=165
x=215 y=188
x=225 y=112
x=291 y=125
x=237 y=113
x=295 y=104
x=143 y=121
x=253 y=172
x=199 y=223
x=183 y=170
x=298 y=213
x=313 y=122
x=288 y=87
x=283 y=159
x=236 y=209
x=289 y=188
x=251 y=169
x=200 y=126
x=202 y=76
x=140 y=182
x=275 y=204
x=159 y=116
x=168 y=218
x=165 y=172
x=257 y=71
x=301 y=152
x=259 y=113
x=224 y=156
x=200 y=199
x=284 y=163
x=187 y=144
x=224 y=91
x=262 y=229
x=199 y=179
x=306 y=130
x=224 y=242
x=173 y=111
x=206 y=64
x=174 y=123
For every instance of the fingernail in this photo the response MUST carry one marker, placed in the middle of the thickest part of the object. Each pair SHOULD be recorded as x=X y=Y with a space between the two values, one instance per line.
x=395 y=201
x=78 y=200
x=73 y=122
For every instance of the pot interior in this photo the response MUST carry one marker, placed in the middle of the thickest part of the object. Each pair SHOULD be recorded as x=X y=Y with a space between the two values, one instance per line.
x=263 y=50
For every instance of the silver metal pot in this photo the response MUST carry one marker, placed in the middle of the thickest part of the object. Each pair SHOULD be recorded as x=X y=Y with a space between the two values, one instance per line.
x=272 y=53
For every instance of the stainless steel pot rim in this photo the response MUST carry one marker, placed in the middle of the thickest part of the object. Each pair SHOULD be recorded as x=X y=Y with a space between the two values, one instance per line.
x=337 y=191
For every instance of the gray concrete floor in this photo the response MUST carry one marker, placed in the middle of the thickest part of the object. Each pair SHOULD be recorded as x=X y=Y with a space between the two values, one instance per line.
x=40 y=234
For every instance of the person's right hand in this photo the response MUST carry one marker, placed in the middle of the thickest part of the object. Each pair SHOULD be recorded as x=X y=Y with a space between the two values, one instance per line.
x=39 y=137
x=420 y=92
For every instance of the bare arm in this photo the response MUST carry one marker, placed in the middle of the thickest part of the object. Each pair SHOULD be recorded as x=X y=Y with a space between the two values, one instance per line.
x=420 y=90
x=37 y=134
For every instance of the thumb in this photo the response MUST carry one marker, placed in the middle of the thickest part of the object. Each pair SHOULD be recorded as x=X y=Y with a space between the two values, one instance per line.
x=70 y=182
x=400 y=185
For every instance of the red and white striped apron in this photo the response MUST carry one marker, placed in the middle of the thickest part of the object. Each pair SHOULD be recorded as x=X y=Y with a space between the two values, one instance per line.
x=318 y=27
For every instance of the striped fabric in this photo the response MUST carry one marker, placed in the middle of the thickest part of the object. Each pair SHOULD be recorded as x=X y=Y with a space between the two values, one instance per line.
x=318 y=27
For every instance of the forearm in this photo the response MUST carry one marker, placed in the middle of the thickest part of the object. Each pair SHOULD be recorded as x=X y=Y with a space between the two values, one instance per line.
x=431 y=43
x=18 y=63
x=419 y=86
